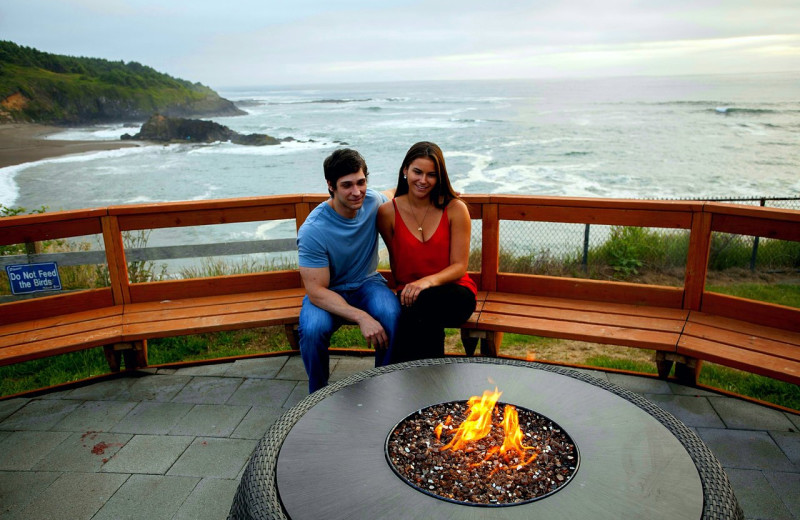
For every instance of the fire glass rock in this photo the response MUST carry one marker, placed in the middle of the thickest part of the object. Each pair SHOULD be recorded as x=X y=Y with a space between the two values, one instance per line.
x=477 y=474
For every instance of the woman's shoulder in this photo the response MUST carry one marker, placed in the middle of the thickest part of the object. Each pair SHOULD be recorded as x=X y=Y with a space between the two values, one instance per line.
x=386 y=209
x=457 y=206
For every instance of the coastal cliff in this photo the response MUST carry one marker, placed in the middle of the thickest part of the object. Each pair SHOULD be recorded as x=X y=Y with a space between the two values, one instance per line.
x=48 y=88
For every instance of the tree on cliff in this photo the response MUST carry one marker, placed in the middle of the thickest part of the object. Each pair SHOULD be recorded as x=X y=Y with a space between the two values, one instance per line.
x=51 y=88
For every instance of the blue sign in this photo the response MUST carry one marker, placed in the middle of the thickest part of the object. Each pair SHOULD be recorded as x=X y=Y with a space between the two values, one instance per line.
x=30 y=278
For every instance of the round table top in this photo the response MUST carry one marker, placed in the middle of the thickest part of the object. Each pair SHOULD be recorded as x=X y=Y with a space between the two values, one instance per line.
x=326 y=459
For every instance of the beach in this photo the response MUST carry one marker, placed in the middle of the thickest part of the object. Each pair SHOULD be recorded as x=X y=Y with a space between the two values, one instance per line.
x=23 y=143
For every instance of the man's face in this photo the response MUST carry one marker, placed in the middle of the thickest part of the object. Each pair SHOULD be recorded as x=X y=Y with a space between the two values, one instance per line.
x=349 y=193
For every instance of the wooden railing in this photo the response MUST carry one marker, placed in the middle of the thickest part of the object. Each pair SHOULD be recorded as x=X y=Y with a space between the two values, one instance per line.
x=699 y=218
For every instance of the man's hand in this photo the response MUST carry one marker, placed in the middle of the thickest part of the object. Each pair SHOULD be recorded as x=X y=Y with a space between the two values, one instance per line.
x=373 y=332
x=316 y=283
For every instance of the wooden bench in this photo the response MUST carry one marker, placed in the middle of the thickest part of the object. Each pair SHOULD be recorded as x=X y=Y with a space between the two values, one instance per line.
x=684 y=325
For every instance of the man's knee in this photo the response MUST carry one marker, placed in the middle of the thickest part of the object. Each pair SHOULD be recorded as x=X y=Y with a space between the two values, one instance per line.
x=315 y=325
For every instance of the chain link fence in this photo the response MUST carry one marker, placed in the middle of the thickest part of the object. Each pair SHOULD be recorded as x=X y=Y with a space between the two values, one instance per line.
x=629 y=253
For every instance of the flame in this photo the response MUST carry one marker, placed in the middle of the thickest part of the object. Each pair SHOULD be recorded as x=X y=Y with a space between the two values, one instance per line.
x=478 y=424
x=440 y=427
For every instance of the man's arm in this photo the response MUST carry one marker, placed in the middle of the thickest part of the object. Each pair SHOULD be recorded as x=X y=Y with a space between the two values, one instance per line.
x=316 y=281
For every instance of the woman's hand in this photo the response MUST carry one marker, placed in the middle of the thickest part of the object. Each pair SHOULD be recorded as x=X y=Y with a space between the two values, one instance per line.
x=411 y=291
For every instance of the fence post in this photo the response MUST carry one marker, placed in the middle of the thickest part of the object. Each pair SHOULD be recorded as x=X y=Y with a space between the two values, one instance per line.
x=755 y=245
x=32 y=248
x=586 y=249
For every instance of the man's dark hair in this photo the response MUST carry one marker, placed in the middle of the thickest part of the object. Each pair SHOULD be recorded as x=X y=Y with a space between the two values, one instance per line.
x=343 y=162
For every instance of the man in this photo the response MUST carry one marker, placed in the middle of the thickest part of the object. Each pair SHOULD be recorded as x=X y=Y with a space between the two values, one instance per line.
x=338 y=254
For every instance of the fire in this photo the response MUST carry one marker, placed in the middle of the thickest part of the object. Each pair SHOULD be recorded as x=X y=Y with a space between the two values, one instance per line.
x=478 y=425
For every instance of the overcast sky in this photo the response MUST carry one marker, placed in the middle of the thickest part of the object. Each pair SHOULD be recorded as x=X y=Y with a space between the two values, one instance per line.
x=224 y=43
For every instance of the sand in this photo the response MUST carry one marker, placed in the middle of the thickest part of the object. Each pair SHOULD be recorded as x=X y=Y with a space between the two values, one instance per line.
x=21 y=143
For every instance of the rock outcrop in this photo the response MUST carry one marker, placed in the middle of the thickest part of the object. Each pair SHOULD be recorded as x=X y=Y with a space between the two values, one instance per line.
x=163 y=129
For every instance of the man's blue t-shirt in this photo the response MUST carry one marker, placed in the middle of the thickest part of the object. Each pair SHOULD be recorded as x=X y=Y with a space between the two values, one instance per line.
x=348 y=247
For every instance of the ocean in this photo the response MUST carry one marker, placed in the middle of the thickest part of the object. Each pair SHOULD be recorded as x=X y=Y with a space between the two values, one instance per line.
x=637 y=137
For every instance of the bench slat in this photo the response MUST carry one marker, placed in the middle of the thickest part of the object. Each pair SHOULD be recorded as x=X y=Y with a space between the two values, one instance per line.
x=742 y=359
x=586 y=317
x=58 y=321
x=211 y=309
x=65 y=330
x=743 y=341
x=745 y=328
x=589 y=305
x=209 y=323
x=222 y=299
x=647 y=339
x=59 y=345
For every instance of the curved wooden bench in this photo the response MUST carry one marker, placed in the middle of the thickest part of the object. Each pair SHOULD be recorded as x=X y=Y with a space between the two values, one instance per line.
x=684 y=325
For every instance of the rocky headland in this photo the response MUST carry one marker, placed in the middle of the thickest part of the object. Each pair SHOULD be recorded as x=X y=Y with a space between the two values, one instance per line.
x=162 y=129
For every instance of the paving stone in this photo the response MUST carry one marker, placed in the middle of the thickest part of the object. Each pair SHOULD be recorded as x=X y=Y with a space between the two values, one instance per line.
x=257 y=368
x=58 y=394
x=262 y=392
x=640 y=385
x=109 y=390
x=345 y=366
x=210 y=420
x=789 y=442
x=787 y=487
x=19 y=488
x=691 y=410
x=95 y=416
x=744 y=415
x=215 y=369
x=75 y=496
x=690 y=390
x=208 y=390
x=794 y=419
x=757 y=498
x=214 y=457
x=257 y=421
x=210 y=500
x=22 y=450
x=299 y=393
x=153 y=454
x=152 y=417
x=39 y=414
x=154 y=497
x=294 y=369
x=9 y=406
x=745 y=449
x=157 y=387
x=83 y=452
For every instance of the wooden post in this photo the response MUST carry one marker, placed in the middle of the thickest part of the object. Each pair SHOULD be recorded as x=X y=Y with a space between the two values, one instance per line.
x=301 y=211
x=490 y=248
x=697 y=260
x=115 y=258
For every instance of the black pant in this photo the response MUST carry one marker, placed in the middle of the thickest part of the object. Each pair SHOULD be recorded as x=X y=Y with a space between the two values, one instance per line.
x=420 y=332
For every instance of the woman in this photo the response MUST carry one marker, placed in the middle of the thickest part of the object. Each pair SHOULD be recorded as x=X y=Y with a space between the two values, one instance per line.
x=427 y=230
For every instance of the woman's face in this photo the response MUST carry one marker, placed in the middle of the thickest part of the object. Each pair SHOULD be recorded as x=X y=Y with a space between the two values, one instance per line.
x=421 y=176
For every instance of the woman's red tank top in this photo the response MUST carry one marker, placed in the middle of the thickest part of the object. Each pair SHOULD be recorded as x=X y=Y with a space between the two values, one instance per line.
x=414 y=259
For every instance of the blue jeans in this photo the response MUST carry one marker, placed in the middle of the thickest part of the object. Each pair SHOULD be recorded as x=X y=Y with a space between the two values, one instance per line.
x=317 y=325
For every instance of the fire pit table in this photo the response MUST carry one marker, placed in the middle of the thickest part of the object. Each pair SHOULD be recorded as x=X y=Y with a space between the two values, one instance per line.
x=327 y=456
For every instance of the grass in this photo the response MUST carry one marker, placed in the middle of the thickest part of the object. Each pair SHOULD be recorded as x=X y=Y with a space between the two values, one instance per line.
x=779 y=293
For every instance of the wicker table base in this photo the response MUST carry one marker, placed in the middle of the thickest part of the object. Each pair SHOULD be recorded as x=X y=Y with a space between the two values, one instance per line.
x=325 y=457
